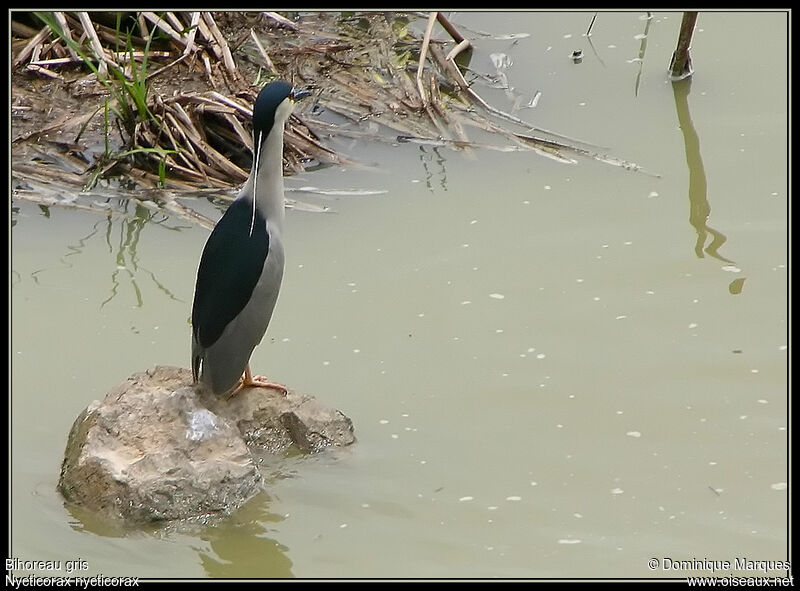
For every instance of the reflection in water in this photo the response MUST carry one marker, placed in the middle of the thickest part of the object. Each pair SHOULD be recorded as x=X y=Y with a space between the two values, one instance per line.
x=239 y=544
x=127 y=258
x=73 y=250
x=699 y=207
x=642 y=50
x=736 y=286
x=123 y=247
x=242 y=548
x=594 y=51
x=84 y=520
x=437 y=159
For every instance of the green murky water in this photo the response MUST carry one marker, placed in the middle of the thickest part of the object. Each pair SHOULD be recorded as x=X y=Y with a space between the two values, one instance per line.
x=553 y=370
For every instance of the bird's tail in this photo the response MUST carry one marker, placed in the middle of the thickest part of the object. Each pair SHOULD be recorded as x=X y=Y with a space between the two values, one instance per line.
x=195 y=367
x=197 y=357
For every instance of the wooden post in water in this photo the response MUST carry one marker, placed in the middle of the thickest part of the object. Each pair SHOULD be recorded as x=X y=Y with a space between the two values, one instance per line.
x=681 y=65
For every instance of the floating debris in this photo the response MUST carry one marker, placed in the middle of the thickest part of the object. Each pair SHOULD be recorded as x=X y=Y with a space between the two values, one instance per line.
x=182 y=90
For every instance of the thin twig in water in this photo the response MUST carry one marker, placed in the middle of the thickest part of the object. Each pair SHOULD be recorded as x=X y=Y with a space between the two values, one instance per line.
x=460 y=46
x=447 y=26
x=591 y=24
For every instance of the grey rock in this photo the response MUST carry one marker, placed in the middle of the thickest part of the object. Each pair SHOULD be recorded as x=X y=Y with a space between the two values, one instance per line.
x=273 y=422
x=156 y=448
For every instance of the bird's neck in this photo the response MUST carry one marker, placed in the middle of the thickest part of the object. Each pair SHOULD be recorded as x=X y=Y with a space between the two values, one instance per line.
x=266 y=178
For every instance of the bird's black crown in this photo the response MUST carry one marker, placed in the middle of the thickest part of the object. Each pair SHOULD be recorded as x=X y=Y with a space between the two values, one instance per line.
x=270 y=97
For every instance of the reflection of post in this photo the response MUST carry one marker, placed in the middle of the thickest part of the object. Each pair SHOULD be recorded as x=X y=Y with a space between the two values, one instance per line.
x=699 y=207
x=681 y=65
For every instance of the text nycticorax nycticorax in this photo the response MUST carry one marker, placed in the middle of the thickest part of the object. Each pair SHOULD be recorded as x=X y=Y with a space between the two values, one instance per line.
x=241 y=267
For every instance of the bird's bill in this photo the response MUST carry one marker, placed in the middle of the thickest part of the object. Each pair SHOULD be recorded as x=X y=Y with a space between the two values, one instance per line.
x=299 y=94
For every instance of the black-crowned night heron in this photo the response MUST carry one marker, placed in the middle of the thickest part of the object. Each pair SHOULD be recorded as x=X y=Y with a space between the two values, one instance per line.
x=241 y=267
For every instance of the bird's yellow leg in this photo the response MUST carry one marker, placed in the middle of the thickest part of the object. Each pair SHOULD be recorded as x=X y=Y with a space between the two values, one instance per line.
x=250 y=381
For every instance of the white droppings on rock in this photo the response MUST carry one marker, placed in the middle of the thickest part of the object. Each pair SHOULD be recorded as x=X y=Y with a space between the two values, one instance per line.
x=202 y=425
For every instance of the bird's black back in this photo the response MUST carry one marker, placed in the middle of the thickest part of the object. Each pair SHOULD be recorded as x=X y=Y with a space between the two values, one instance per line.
x=230 y=267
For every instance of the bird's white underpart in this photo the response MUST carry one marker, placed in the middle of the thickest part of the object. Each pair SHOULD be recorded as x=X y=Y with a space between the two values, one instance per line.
x=255 y=180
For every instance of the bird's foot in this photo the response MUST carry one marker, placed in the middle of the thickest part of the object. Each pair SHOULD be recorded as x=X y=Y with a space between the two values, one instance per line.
x=263 y=382
x=248 y=380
